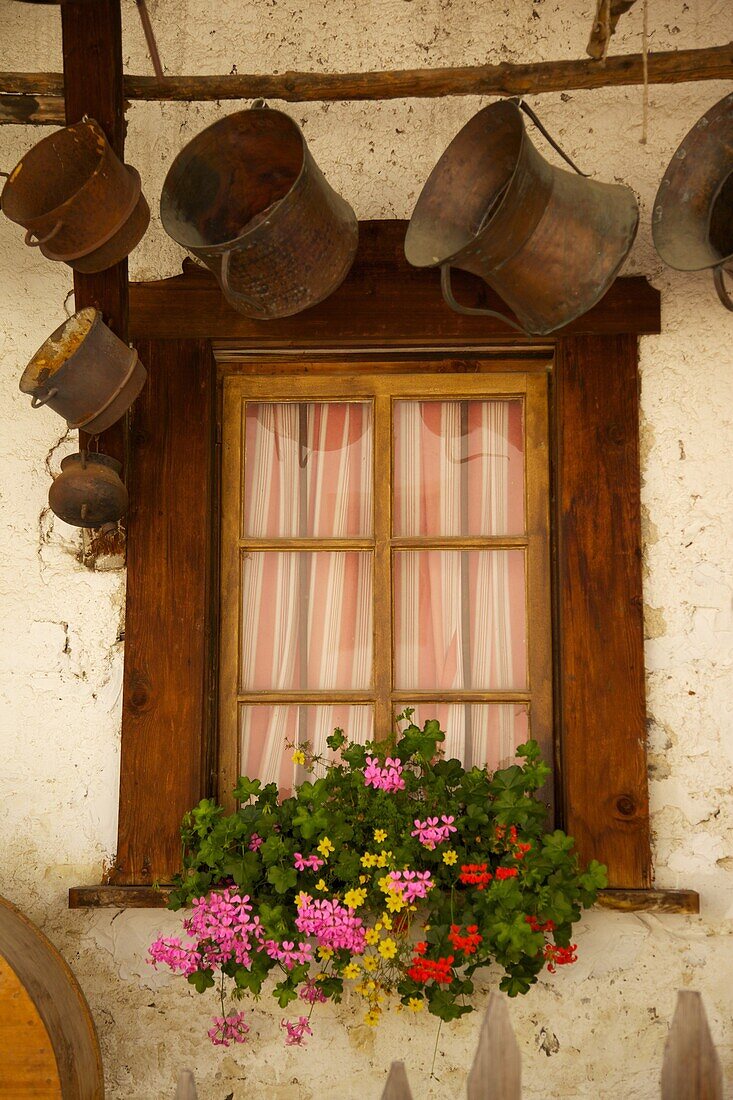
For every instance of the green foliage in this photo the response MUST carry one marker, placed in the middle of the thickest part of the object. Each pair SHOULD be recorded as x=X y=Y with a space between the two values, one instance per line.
x=524 y=908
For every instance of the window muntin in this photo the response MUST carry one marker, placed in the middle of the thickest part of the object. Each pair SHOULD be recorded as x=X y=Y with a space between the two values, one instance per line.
x=466 y=507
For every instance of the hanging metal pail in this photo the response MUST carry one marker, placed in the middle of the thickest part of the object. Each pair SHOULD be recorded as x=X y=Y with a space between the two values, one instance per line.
x=84 y=373
x=78 y=202
x=692 y=220
x=89 y=491
x=548 y=241
x=247 y=198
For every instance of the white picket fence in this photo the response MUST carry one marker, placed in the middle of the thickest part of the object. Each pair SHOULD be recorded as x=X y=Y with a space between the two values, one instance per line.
x=690 y=1068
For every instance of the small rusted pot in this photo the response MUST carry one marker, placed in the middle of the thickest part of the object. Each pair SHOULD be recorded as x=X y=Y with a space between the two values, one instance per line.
x=247 y=198
x=84 y=373
x=78 y=202
x=692 y=219
x=550 y=242
x=89 y=491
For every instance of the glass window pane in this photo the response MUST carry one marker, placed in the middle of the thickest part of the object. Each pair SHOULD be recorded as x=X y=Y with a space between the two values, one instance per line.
x=306 y=621
x=458 y=468
x=268 y=735
x=308 y=470
x=478 y=733
x=459 y=620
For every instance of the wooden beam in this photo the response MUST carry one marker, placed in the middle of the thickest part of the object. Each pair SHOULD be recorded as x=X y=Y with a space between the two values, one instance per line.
x=24 y=110
x=92 y=49
x=383 y=302
x=504 y=79
x=156 y=897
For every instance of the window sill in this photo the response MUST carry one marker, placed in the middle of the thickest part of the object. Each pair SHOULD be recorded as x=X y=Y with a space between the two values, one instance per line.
x=150 y=897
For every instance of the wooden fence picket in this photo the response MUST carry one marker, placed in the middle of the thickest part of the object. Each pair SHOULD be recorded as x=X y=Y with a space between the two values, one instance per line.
x=496 y=1073
x=186 y=1086
x=397 y=1086
x=691 y=1068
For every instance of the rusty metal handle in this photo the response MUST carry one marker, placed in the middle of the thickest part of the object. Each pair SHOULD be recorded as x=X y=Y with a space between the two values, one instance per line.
x=471 y=311
x=41 y=240
x=226 y=286
x=530 y=114
x=723 y=292
x=36 y=402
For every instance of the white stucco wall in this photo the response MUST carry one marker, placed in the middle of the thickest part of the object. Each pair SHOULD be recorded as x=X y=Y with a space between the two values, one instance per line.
x=597 y=1030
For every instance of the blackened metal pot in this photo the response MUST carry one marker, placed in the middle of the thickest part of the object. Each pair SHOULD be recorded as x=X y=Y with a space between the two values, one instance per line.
x=89 y=491
x=247 y=198
x=84 y=373
x=78 y=202
x=550 y=242
x=692 y=219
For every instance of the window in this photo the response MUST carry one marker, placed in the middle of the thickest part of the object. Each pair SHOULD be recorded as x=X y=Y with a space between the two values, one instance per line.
x=385 y=543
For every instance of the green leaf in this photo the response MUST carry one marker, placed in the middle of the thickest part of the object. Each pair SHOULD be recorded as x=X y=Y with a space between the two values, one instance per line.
x=282 y=878
x=201 y=980
x=245 y=788
x=284 y=993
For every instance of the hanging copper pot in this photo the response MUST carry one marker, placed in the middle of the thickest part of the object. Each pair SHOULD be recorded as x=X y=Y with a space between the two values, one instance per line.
x=78 y=202
x=89 y=491
x=548 y=241
x=247 y=198
x=692 y=220
x=84 y=373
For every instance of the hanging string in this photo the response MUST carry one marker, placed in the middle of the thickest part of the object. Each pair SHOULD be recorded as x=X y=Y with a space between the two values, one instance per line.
x=150 y=39
x=645 y=64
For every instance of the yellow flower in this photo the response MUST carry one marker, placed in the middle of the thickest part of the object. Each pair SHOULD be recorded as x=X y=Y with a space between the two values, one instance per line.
x=415 y=1004
x=368 y=860
x=385 y=884
x=371 y=936
x=302 y=899
x=363 y=878
x=326 y=847
x=354 y=898
x=372 y=1017
x=325 y=952
x=387 y=948
x=369 y=963
x=395 y=903
x=383 y=858
x=387 y=921
x=380 y=835
x=298 y=757
x=321 y=885
x=449 y=857
x=350 y=971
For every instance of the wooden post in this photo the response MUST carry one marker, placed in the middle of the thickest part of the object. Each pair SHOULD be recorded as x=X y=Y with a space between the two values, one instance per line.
x=186 y=1086
x=496 y=1073
x=92 y=48
x=691 y=1068
x=397 y=1086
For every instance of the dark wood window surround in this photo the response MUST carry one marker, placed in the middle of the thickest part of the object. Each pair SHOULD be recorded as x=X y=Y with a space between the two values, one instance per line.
x=390 y=312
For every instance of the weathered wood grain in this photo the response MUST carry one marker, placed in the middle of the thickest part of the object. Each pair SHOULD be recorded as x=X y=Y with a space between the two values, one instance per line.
x=61 y=1007
x=650 y=901
x=504 y=79
x=383 y=303
x=691 y=1069
x=169 y=658
x=600 y=651
x=496 y=1073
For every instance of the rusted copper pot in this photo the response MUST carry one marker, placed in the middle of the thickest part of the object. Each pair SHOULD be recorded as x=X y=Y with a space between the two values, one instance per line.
x=247 y=198
x=78 y=202
x=84 y=373
x=692 y=220
x=548 y=241
x=89 y=491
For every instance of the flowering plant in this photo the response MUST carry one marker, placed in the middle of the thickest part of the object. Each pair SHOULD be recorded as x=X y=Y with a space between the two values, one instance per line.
x=394 y=873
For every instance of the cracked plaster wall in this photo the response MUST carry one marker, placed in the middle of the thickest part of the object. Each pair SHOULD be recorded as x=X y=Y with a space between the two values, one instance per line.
x=599 y=1029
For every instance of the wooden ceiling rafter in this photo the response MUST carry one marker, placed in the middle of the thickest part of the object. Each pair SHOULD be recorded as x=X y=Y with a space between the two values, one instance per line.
x=38 y=97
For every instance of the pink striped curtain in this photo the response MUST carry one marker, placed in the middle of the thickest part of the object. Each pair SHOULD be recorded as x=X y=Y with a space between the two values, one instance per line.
x=307 y=616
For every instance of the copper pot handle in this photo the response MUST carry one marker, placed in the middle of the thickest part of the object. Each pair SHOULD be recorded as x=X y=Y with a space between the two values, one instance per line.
x=235 y=293
x=547 y=136
x=723 y=293
x=36 y=402
x=41 y=240
x=470 y=311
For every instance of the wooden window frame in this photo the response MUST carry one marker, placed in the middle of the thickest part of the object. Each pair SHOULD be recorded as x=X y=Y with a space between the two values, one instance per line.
x=395 y=381
x=384 y=310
